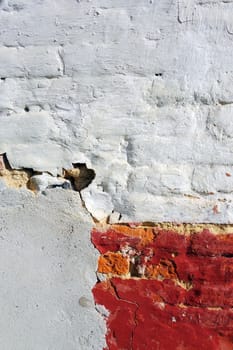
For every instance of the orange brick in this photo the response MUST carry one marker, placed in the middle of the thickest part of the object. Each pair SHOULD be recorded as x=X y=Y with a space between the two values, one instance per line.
x=165 y=269
x=145 y=233
x=113 y=263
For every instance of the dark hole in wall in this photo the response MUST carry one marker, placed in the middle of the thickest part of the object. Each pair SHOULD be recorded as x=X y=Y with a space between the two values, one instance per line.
x=86 y=175
x=80 y=176
x=134 y=271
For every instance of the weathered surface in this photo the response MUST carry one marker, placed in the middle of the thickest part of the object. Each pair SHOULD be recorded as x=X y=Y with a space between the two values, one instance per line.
x=47 y=269
x=138 y=95
x=139 y=91
x=183 y=298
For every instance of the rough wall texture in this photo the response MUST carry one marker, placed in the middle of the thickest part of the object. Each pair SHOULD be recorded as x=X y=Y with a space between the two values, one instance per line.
x=131 y=97
x=47 y=270
x=166 y=286
x=140 y=91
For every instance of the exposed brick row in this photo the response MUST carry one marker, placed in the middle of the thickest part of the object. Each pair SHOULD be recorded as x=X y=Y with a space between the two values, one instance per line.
x=166 y=288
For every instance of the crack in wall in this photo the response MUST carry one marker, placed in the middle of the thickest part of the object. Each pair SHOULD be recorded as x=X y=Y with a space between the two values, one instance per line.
x=77 y=178
x=135 y=311
x=96 y=201
x=192 y=289
x=85 y=207
x=60 y=54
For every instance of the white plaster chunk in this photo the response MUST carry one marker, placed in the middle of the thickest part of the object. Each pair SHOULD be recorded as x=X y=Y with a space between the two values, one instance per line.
x=160 y=179
x=159 y=148
x=212 y=179
x=27 y=127
x=97 y=202
x=222 y=89
x=41 y=182
x=220 y=122
x=50 y=157
x=165 y=91
x=207 y=149
x=29 y=61
x=145 y=207
x=116 y=58
x=36 y=91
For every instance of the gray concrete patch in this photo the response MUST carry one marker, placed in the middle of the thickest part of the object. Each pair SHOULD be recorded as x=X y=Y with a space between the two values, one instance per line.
x=47 y=271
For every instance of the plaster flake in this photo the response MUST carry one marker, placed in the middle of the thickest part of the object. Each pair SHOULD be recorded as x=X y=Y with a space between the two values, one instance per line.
x=97 y=202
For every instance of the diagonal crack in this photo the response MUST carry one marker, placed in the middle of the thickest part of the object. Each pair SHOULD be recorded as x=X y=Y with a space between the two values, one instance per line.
x=62 y=61
x=85 y=207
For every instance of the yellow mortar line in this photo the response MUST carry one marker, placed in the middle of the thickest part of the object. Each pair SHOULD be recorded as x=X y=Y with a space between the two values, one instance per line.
x=179 y=228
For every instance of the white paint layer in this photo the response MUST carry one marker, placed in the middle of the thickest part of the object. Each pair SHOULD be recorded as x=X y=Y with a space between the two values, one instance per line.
x=139 y=91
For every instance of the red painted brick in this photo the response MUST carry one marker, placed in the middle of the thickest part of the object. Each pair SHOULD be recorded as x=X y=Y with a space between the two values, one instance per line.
x=184 y=298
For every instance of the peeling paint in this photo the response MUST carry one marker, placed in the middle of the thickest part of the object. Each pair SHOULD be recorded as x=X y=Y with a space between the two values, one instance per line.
x=76 y=178
x=16 y=178
x=177 y=293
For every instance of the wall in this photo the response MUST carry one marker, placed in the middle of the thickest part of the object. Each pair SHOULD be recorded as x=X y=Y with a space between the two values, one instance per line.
x=167 y=286
x=47 y=273
x=140 y=92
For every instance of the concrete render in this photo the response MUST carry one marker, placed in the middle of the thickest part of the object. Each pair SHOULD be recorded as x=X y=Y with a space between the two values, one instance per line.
x=47 y=271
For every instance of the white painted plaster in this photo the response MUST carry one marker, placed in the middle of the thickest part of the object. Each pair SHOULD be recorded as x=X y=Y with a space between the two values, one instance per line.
x=140 y=91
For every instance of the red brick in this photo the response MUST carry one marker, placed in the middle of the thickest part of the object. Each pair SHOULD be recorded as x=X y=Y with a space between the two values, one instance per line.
x=185 y=296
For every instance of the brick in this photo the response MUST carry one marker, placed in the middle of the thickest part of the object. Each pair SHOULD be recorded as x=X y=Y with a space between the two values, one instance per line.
x=113 y=263
x=185 y=296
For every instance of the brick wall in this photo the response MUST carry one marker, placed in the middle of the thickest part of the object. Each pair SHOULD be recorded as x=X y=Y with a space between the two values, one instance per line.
x=137 y=94
x=166 y=286
x=139 y=91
